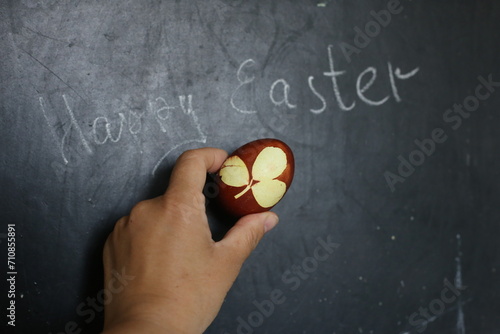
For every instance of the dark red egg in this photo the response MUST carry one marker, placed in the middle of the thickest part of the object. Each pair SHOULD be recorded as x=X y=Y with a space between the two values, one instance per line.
x=255 y=177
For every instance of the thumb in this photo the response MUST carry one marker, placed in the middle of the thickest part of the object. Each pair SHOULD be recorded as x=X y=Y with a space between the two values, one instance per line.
x=246 y=234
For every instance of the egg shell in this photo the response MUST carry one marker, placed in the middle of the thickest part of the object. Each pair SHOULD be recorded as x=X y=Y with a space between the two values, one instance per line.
x=246 y=203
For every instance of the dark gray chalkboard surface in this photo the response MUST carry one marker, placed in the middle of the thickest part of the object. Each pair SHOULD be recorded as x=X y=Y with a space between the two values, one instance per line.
x=392 y=110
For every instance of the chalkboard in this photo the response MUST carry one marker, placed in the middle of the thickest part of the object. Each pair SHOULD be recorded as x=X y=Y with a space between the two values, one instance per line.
x=391 y=108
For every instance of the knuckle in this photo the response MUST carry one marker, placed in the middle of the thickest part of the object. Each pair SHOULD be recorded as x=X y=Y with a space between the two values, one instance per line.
x=121 y=223
x=140 y=208
x=139 y=211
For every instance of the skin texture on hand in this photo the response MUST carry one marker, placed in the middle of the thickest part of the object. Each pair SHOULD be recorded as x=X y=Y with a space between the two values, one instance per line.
x=180 y=275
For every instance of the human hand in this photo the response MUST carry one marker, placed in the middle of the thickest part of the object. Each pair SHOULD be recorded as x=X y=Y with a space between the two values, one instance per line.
x=181 y=276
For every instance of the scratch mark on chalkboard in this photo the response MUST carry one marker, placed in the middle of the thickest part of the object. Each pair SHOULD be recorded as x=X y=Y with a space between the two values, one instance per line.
x=277 y=52
x=460 y=324
x=425 y=323
x=61 y=149
x=16 y=55
x=459 y=285
x=271 y=47
x=53 y=73
x=460 y=320
x=45 y=36
x=212 y=34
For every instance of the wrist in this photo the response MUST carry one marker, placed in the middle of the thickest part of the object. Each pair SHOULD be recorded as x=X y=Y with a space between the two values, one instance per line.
x=143 y=326
x=151 y=315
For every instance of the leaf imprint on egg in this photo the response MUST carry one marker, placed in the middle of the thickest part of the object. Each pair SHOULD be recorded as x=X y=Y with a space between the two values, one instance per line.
x=269 y=165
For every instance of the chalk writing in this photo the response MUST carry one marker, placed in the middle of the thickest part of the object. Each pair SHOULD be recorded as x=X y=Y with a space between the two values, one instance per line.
x=107 y=126
x=318 y=95
x=362 y=89
x=280 y=89
x=179 y=122
x=134 y=121
x=76 y=126
x=243 y=81
x=286 y=89
x=164 y=110
x=398 y=74
x=73 y=125
x=165 y=117
x=162 y=113
x=333 y=74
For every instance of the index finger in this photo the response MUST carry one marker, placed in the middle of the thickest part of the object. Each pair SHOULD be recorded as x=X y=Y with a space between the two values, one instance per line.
x=190 y=170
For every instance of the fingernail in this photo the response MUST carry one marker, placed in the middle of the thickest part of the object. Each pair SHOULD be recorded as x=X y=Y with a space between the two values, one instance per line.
x=270 y=222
